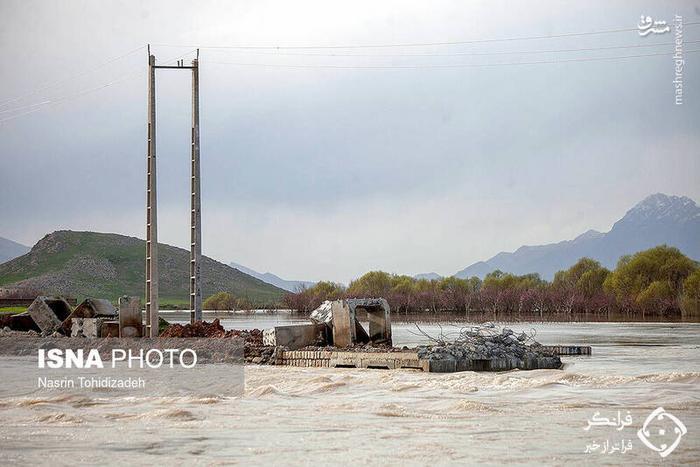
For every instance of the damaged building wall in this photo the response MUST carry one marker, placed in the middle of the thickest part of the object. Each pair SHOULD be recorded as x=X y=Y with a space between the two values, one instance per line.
x=49 y=313
x=346 y=329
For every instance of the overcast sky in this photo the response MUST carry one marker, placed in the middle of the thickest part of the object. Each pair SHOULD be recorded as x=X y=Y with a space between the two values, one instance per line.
x=326 y=173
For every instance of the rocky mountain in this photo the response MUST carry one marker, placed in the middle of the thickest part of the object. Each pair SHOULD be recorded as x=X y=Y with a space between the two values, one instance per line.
x=658 y=219
x=10 y=249
x=288 y=285
x=106 y=265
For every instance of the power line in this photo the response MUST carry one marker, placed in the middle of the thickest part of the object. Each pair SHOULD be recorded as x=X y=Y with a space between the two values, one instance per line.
x=411 y=44
x=395 y=55
x=455 y=65
x=72 y=96
x=457 y=54
x=59 y=100
x=41 y=105
x=70 y=78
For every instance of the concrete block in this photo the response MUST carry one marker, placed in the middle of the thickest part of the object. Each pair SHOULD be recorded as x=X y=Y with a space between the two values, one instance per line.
x=76 y=329
x=341 y=317
x=361 y=336
x=379 y=316
x=49 y=312
x=86 y=327
x=344 y=333
x=269 y=337
x=443 y=366
x=91 y=327
x=93 y=308
x=323 y=313
x=90 y=308
x=296 y=336
x=130 y=318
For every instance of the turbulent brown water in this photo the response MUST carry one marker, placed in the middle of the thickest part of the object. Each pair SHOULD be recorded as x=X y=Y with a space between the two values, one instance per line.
x=340 y=416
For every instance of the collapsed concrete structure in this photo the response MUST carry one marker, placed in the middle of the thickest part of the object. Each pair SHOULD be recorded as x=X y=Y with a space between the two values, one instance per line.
x=347 y=344
x=336 y=323
x=49 y=313
x=130 y=318
x=87 y=319
x=296 y=336
x=342 y=317
x=333 y=337
x=93 y=318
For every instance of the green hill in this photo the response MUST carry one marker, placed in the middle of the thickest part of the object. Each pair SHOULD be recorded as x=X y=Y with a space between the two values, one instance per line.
x=103 y=265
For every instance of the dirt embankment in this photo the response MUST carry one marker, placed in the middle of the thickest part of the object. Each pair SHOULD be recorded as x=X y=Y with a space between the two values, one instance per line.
x=255 y=351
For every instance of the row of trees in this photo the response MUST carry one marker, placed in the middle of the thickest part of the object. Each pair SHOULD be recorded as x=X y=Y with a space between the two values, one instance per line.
x=655 y=281
x=226 y=301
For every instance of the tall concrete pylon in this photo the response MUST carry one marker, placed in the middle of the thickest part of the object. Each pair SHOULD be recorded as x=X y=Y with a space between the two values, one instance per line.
x=196 y=205
x=152 y=310
x=151 y=208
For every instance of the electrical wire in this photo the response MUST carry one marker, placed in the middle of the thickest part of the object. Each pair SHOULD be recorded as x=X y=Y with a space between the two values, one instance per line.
x=412 y=44
x=458 y=54
x=454 y=65
x=51 y=103
x=70 y=78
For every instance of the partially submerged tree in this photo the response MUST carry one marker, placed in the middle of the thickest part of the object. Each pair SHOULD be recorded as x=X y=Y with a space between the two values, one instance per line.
x=690 y=301
x=651 y=280
x=220 y=301
x=657 y=280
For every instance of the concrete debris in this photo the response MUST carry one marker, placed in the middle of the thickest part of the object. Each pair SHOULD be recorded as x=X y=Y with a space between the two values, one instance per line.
x=95 y=308
x=379 y=316
x=488 y=348
x=89 y=308
x=130 y=317
x=87 y=327
x=48 y=313
x=254 y=349
x=341 y=316
x=295 y=336
x=323 y=314
x=7 y=332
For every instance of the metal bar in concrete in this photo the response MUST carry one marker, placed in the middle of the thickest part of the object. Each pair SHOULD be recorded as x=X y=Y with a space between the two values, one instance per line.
x=196 y=204
x=151 y=209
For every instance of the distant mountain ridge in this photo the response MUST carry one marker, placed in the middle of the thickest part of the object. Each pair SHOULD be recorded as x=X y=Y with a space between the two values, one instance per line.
x=658 y=219
x=105 y=265
x=288 y=285
x=10 y=249
x=431 y=276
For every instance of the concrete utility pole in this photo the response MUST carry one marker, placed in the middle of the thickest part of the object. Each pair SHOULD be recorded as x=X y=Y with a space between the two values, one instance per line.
x=196 y=214
x=151 y=202
x=151 y=208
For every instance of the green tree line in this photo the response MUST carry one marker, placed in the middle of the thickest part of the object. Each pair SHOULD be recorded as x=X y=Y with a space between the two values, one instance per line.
x=657 y=281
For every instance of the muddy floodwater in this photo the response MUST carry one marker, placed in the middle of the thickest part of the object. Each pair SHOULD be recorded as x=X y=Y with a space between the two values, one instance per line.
x=317 y=416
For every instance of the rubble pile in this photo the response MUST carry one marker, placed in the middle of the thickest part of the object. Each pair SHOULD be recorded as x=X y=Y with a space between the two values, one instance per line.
x=7 y=332
x=371 y=348
x=487 y=343
x=254 y=350
x=196 y=329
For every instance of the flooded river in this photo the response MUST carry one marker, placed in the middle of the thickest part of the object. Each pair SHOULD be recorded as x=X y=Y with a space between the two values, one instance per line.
x=316 y=416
